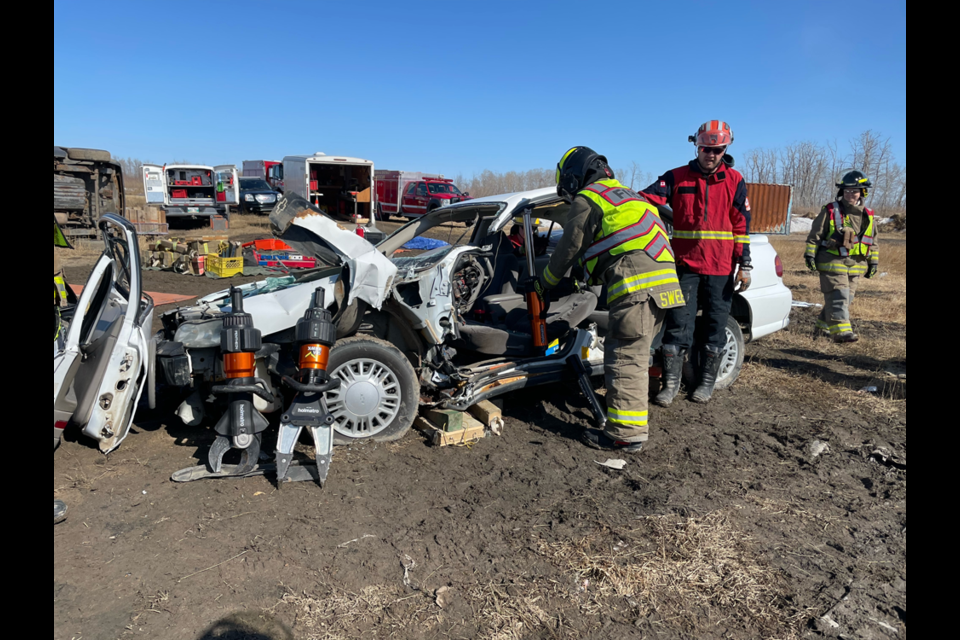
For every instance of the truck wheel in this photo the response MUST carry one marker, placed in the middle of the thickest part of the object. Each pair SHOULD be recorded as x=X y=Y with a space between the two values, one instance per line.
x=732 y=361
x=379 y=394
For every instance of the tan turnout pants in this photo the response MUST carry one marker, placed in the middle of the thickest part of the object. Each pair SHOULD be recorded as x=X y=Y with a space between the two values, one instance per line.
x=634 y=323
x=839 y=279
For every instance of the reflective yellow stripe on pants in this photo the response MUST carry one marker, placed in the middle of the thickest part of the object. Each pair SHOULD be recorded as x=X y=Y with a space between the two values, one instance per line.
x=628 y=418
x=836 y=328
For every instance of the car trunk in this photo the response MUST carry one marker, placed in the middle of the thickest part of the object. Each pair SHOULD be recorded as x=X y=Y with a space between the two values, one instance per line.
x=340 y=190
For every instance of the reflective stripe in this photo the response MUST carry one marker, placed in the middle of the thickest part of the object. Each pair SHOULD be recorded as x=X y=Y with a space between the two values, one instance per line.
x=742 y=239
x=811 y=249
x=703 y=235
x=656 y=248
x=596 y=187
x=638 y=230
x=834 y=329
x=857 y=269
x=550 y=278
x=633 y=418
x=643 y=281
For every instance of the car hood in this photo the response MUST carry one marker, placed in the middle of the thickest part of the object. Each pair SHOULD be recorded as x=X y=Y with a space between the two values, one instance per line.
x=306 y=229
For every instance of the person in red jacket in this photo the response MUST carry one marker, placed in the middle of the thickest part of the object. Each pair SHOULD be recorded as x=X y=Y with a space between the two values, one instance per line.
x=711 y=240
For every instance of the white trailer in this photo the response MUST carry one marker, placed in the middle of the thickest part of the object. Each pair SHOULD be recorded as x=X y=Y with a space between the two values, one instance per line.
x=340 y=186
x=188 y=190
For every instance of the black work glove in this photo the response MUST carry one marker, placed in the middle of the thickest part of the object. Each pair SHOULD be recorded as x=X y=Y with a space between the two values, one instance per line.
x=872 y=271
x=533 y=285
x=811 y=263
x=744 y=277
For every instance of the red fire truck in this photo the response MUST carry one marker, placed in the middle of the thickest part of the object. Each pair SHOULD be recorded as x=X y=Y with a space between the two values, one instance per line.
x=269 y=170
x=410 y=194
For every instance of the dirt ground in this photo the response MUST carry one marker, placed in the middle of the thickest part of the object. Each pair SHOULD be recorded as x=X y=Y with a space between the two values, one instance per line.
x=776 y=512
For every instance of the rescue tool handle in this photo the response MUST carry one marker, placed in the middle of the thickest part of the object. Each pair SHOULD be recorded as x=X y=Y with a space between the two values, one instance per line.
x=312 y=388
x=258 y=388
x=583 y=377
x=535 y=306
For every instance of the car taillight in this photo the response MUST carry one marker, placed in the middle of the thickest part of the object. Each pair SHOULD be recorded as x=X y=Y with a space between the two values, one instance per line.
x=779 y=264
x=60 y=424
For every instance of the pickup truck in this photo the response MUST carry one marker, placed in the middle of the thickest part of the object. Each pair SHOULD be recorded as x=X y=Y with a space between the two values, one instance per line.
x=413 y=194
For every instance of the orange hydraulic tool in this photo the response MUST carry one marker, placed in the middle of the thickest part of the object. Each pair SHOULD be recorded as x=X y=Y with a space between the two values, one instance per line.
x=535 y=306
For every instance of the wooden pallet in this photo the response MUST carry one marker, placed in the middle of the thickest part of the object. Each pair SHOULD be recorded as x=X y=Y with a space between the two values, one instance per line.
x=473 y=430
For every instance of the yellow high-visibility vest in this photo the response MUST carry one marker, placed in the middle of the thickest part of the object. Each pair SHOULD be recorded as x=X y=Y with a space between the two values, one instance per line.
x=630 y=223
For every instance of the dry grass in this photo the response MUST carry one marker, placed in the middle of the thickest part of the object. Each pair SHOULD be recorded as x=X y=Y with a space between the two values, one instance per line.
x=680 y=573
x=686 y=574
x=794 y=385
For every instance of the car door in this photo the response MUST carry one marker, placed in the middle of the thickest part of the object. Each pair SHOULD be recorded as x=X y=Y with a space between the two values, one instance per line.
x=410 y=198
x=155 y=184
x=228 y=184
x=106 y=362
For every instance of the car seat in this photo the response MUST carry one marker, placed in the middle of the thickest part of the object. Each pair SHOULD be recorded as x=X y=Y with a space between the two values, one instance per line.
x=501 y=325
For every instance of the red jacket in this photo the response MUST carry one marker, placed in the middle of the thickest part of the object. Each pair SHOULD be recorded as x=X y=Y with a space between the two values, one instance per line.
x=711 y=217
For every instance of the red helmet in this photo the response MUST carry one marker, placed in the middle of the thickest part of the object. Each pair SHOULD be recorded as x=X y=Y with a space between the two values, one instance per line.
x=715 y=133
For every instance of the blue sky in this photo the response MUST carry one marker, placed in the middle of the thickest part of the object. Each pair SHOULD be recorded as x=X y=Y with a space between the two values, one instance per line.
x=464 y=86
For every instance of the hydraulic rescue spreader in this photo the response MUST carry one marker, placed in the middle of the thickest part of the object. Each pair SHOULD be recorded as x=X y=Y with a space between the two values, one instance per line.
x=315 y=336
x=242 y=426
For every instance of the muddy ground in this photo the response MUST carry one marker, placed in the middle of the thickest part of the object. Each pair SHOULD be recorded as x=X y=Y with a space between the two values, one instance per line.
x=778 y=511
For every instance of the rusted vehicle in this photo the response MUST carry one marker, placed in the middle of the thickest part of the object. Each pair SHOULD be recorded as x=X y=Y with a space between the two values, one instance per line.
x=87 y=184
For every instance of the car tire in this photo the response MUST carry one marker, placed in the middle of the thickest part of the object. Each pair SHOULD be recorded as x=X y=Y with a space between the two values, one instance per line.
x=372 y=369
x=732 y=362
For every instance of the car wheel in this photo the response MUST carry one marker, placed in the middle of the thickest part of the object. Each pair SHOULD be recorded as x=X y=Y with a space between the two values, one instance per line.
x=379 y=393
x=732 y=360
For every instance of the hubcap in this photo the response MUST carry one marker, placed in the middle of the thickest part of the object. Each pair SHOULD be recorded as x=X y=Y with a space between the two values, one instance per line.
x=730 y=358
x=368 y=400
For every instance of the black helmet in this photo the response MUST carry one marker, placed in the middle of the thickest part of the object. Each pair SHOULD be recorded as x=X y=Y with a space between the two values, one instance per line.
x=578 y=168
x=854 y=180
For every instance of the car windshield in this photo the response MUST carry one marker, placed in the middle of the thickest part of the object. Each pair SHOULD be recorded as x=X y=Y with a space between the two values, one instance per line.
x=443 y=187
x=255 y=184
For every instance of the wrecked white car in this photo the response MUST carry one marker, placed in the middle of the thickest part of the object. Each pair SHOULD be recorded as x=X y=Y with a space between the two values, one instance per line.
x=446 y=328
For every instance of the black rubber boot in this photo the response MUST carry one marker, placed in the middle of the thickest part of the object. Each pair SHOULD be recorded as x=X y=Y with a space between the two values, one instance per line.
x=59 y=512
x=600 y=440
x=712 y=359
x=673 y=357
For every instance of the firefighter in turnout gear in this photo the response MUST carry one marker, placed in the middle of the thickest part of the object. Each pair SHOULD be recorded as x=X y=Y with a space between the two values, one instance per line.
x=60 y=292
x=619 y=239
x=60 y=299
x=711 y=220
x=842 y=247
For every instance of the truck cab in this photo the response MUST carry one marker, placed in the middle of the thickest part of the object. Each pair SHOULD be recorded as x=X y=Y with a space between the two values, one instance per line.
x=184 y=190
x=269 y=170
x=420 y=198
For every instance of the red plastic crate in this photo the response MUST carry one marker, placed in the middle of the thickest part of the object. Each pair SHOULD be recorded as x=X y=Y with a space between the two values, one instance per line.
x=197 y=181
x=271 y=244
x=182 y=183
x=178 y=193
x=314 y=185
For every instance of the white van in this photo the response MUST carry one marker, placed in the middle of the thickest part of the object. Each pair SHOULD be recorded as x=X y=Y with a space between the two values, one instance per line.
x=187 y=190
x=341 y=187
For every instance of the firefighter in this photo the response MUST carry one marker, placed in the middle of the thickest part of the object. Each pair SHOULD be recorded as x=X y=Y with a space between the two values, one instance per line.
x=60 y=294
x=59 y=300
x=621 y=242
x=711 y=220
x=842 y=247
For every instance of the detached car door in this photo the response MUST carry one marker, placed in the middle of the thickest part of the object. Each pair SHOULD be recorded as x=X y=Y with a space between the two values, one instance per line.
x=106 y=362
x=228 y=185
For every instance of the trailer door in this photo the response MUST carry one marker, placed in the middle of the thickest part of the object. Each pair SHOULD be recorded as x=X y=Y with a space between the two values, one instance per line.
x=228 y=184
x=155 y=184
